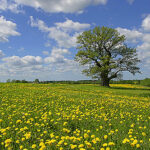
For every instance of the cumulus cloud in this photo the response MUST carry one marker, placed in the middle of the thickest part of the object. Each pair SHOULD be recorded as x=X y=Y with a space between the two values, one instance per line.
x=144 y=52
x=144 y=47
x=146 y=23
x=141 y=39
x=25 y=61
x=57 y=56
x=146 y=37
x=131 y=35
x=56 y=60
x=7 y=29
x=65 y=6
x=9 y=5
x=69 y=25
x=40 y=24
x=60 y=63
x=70 y=65
x=22 y=67
x=62 y=38
x=30 y=67
x=64 y=33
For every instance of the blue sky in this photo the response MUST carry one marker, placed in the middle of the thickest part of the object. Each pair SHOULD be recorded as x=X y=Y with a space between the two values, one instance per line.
x=38 y=38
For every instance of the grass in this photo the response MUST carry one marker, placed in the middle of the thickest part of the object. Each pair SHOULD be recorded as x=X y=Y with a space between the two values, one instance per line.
x=84 y=117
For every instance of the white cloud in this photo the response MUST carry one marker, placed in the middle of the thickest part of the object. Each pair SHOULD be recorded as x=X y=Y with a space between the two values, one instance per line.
x=144 y=51
x=50 y=68
x=69 y=65
x=64 y=33
x=56 y=62
x=45 y=52
x=130 y=1
x=25 y=61
x=62 y=38
x=9 y=5
x=65 y=6
x=3 y=5
x=1 y=54
x=131 y=35
x=69 y=25
x=144 y=46
x=7 y=29
x=146 y=23
x=40 y=24
x=60 y=63
x=146 y=37
x=66 y=26
x=57 y=56
x=140 y=37
x=21 y=67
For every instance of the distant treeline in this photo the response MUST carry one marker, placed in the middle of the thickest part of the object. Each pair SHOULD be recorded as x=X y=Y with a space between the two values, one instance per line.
x=145 y=82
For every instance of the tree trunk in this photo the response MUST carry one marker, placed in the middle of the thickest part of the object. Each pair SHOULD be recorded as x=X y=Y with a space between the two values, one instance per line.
x=105 y=82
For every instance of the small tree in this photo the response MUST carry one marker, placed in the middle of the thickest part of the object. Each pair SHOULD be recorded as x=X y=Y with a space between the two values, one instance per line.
x=105 y=54
x=8 y=80
x=36 y=81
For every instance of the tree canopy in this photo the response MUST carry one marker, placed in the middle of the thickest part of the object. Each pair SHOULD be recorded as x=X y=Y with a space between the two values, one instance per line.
x=104 y=53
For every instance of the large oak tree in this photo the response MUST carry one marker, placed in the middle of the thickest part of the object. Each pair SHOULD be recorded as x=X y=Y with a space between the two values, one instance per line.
x=104 y=53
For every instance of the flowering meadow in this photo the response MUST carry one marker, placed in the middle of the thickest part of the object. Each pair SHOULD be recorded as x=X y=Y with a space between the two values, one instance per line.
x=79 y=117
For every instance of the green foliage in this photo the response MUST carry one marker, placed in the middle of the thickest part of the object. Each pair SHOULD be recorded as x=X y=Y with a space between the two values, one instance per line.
x=16 y=81
x=104 y=52
x=137 y=82
x=146 y=82
x=36 y=81
x=8 y=81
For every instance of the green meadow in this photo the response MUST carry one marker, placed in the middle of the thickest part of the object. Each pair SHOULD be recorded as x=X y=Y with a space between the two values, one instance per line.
x=74 y=116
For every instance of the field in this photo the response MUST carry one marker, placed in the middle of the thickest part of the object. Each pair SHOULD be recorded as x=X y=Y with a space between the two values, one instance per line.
x=64 y=117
